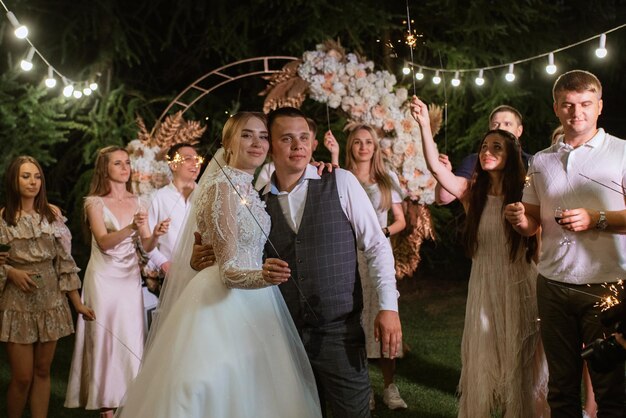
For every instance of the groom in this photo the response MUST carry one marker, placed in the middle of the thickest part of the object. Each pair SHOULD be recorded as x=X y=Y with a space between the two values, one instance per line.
x=318 y=222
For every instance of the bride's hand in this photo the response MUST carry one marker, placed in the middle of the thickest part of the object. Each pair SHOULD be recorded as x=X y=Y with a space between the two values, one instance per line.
x=276 y=271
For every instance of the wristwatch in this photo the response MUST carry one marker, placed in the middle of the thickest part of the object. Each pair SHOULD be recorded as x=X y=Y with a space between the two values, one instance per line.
x=602 y=223
x=386 y=232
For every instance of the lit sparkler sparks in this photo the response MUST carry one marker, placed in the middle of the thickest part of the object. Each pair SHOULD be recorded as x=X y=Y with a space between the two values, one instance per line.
x=612 y=299
x=179 y=159
x=529 y=177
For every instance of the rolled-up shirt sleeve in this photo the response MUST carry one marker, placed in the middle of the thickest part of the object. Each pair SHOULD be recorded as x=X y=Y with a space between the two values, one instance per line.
x=369 y=238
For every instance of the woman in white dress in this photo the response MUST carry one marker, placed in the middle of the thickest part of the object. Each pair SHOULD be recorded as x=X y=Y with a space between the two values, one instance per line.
x=224 y=344
x=364 y=159
x=503 y=371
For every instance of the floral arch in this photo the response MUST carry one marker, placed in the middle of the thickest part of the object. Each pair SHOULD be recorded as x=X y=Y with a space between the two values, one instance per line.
x=342 y=81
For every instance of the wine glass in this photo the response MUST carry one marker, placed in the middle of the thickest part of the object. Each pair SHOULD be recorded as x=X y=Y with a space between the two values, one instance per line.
x=558 y=215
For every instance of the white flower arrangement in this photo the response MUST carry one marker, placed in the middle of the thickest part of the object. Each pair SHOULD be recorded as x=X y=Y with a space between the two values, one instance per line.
x=148 y=173
x=368 y=96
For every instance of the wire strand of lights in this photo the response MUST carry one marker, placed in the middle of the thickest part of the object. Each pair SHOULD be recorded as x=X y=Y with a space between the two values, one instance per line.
x=20 y=30
x=601 y=52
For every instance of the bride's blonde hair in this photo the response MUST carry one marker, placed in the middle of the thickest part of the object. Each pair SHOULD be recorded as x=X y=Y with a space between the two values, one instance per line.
x=231 y=134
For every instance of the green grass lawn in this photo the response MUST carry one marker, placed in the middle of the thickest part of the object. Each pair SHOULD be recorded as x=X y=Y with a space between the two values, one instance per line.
x=432 y=320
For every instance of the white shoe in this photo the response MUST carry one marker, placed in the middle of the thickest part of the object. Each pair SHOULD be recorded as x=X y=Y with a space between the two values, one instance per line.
x=391 y=398
x=372 y=401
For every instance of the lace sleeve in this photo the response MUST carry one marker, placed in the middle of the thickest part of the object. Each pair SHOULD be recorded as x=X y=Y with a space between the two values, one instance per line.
x=218 y=224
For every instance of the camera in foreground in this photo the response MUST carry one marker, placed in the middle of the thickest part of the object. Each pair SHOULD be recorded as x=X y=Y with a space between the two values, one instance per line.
x=604 y=355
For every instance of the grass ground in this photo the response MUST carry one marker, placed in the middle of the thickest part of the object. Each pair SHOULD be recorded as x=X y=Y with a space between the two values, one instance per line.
x=432 y=319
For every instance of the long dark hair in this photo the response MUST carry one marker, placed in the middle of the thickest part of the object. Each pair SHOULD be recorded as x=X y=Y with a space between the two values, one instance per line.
x=14 y=198
x=514 y=173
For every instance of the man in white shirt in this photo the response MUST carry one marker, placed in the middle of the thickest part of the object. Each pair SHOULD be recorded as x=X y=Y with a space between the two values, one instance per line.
x=584 y=176
x=172 y=201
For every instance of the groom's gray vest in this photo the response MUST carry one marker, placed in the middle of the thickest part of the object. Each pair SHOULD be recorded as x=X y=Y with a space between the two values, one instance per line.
x=322 y=257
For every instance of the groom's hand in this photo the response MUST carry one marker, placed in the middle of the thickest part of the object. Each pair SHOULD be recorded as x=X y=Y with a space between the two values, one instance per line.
x=202 y=255
x=388 y=330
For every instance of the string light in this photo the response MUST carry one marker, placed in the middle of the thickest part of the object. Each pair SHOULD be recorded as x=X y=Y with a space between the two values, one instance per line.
x=455 y=81
x=551 y=68
x=50 y=81
x=77 y=94
x=601 y=51
x=480 y=80
x=68 y=89
x=27 y=63
x=406 y=70
x=436 y=78
x=21 y=31
x=510 y=76
x=87 y=91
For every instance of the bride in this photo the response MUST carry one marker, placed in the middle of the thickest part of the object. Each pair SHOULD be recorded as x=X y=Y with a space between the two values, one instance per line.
x=224 y=344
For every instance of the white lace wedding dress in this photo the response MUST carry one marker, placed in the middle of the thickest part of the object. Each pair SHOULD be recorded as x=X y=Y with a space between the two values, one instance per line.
x=228 y=347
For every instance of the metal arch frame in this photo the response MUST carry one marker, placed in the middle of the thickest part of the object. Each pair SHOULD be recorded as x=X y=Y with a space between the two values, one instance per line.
x=220 y=72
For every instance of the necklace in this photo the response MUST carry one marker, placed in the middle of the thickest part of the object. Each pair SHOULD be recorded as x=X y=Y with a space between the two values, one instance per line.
x=118 y=198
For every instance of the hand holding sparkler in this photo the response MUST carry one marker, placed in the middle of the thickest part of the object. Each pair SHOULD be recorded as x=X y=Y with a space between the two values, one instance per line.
x=419 y=111
x=515 y=213
x=275 y=271
x=332 y=146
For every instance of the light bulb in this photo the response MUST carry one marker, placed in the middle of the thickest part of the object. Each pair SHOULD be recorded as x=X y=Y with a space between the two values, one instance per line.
x=419 y=75
x=455 y=81
x=510 y=76
x=27 y=63
x=77 y=94
x=68 y=90
x=87 y=91
x=551 y=68
x=21 y=31
x=406 y=70
x=50 y=81
x=93 y=86
x=601 y=51
x=479 y=80
x=436 y=78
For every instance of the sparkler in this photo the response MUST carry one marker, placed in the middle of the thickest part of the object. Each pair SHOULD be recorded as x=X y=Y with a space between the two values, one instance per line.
x=529 y=177
x=612 y=299
x=605 y=185
x=604 y=302
x=245 y=203
x=411 y=40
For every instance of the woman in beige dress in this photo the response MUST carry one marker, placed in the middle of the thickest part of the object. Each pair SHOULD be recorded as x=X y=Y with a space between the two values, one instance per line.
x=38 y=273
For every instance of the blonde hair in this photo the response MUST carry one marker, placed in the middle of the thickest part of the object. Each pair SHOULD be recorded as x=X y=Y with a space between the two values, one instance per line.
x=231 y=134
x=378 y=170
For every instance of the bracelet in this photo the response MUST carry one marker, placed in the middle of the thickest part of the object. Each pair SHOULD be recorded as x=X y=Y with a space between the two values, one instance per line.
x=386 y=232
